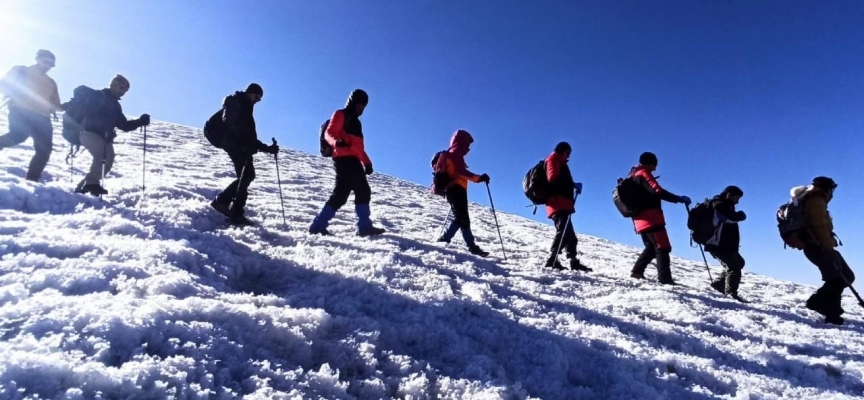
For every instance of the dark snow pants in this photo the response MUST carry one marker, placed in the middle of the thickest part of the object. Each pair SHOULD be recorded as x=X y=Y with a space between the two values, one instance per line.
x=350 y=177
x=24 y=124
x=836 y=274
x=563 y=230
x=732 y=263
x=238 y=190
x=657 y=247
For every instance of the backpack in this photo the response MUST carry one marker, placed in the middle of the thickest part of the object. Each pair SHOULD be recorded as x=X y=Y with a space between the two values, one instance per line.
x=792 y=224
x=213 y=130
x=325 y=148
x=626 y=196
x=700 y=221
x=440 y=178
x=84 y=99
x=535 y=185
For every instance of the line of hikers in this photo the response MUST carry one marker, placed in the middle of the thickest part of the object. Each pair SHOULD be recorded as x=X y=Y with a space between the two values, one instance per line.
x=92 y=116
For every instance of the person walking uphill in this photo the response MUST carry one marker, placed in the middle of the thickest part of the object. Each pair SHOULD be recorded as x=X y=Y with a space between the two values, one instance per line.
x=457 y=192
x=821 y=249
x=32 y=97
x=724 y=244
x=649 y=221
x=344 y=134
x=560 y=205
x=234 y=126
x=101 y=116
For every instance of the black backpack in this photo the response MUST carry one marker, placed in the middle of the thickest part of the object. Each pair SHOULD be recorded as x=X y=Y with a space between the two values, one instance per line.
x=700 y=221
x=84 y=99
x=535 y=185
x=214 y=130
x=326 y=149
x=626 y=196
x=440 y=178
x=792 y=224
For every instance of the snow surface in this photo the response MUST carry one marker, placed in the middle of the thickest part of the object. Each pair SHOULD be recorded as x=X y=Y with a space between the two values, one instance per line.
x=151 y=297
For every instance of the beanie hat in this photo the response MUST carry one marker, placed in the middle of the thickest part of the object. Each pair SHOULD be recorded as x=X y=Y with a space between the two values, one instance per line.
x=255 y=88
x=563 y=147
x=732 y=190
x=119 y=79
x=45 y=54
x=648 y=158
x=358 y=96
x=824 y=182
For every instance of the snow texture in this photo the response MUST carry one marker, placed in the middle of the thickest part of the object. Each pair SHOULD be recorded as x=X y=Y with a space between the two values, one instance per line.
x=153 y=297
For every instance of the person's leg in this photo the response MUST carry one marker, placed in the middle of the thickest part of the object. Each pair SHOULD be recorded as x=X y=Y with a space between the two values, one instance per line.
x=42 y=133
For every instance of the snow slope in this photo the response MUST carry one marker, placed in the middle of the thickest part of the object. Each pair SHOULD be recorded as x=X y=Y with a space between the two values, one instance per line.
x=151 y=297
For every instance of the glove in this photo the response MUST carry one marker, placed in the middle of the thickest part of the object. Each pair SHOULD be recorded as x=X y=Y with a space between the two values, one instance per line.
x=369 y=169
x=272 y=149
x=684 y=199
x=484 y=178
x=578 y=187
x=342 y=143
x=144 y=120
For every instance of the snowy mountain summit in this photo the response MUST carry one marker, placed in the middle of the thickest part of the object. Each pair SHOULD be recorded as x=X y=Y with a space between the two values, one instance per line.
x=153 y=297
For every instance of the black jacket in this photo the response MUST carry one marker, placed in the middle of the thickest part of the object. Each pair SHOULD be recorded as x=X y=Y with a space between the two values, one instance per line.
x=238 y=124
x=727 y=239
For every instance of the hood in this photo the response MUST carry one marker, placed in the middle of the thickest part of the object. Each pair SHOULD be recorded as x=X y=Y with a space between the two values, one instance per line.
x=358 y=96
x=460 y=143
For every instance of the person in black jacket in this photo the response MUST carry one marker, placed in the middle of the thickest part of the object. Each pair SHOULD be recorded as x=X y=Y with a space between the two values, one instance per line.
x=102 y=115
x=726 y=240
x=240 y=140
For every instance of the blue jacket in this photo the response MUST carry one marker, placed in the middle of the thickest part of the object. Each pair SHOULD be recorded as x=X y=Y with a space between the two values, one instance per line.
x=103 y=114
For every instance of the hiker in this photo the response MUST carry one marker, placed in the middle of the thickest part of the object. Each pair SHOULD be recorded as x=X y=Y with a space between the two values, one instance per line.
x=101 y=115
x=344 y=134
x=820 y=244
x=649 y=221
x=234 y=124
x=560 y=205
x=32 y=97
x=456 y=192
x=725 y=242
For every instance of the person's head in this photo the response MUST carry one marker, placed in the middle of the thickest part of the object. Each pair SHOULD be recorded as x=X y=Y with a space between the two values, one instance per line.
x=119 y=85
x=648 y=160
x=357 y=101
x=564 y=149
x=45 y=60
x=732 y=193
x=825 y=184
x=255 y=92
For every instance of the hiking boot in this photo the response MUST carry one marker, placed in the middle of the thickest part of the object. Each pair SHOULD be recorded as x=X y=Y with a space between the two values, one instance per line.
x=477 y=251
x=554 y=264
x=320 y=231
x=442 y=239
x=814 y=304
x=737 y=297
x=240 y=220
x=719 y=286
x=834 y=319
x=224 y=209
x=637 y=275
x=577 y=265
x=371 y=231
x=93 y=188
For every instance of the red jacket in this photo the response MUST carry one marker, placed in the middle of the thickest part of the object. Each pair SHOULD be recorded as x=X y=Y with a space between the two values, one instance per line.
x=651 y=214
x=560 y=198
x=348 y=129
x=460 y=145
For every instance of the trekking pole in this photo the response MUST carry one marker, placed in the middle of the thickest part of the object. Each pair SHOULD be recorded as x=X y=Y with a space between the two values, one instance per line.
x=102 y=182
x=497 y=226
x=144 y=164
x=855 y=292
x=444 y=224
x=566 y=224
x=701 y=250
x=279 y=181
x=4 y=103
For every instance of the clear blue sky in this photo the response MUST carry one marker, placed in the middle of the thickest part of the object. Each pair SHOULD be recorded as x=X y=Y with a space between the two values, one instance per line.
x=765 y=95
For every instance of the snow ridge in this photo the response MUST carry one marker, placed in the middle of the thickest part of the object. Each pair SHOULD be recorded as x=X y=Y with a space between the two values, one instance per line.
x=150 y=297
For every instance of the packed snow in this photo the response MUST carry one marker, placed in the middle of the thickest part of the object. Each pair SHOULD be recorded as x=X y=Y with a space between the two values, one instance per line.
x=147 y=294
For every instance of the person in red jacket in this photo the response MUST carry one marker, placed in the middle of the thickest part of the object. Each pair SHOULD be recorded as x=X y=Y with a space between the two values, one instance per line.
x=649 y=221
x=457 y=192
x=352 y=164
x=560 y=204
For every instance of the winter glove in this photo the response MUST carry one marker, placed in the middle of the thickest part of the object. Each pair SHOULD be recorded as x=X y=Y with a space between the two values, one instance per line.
x=369 y=169
x=272 y=149
x=483 y=178
x=684 y=199
x=578 y=187
x=342 y=143
x=144 y=120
